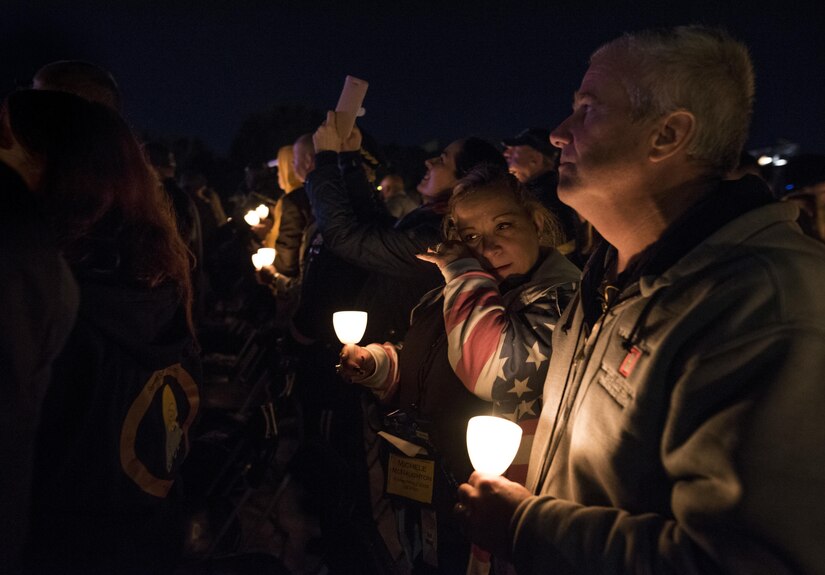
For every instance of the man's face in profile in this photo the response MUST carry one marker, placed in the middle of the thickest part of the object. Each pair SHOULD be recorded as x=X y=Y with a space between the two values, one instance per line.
x=391 y=186
x=524 y=161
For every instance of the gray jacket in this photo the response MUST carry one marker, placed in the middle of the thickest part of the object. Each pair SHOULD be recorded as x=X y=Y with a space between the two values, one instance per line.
x=690 y=420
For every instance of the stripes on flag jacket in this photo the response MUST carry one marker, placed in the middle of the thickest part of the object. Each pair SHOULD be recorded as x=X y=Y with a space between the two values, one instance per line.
x=498 y=344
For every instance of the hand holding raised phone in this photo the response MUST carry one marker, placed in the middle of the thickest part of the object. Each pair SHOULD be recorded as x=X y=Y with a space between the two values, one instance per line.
x=349 y=104
x=338 y=132
x=326 y=137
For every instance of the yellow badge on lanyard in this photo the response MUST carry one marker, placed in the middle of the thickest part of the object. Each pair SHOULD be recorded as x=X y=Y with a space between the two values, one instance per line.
x=411 y=477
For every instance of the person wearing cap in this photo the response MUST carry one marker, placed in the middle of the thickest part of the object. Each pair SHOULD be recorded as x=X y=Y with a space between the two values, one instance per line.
x=532 y=159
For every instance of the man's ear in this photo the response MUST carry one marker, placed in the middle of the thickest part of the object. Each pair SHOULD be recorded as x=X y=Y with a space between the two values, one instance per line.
x=673 y=133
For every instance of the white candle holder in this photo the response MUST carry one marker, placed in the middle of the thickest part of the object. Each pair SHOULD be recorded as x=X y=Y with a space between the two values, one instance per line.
x=262 y=210
x=492 y=443
x=252 y=218
x=349 y=325
x=266 y=256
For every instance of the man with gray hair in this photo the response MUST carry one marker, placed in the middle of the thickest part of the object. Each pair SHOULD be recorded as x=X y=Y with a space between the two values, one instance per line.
x=682 y=424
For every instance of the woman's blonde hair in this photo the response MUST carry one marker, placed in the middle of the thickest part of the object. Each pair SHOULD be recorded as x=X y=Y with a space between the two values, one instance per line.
x=287 y=180
x=491 y=177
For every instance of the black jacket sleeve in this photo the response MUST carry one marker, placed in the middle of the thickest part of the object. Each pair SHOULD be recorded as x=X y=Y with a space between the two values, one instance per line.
x=373 y=244
x=296 y=216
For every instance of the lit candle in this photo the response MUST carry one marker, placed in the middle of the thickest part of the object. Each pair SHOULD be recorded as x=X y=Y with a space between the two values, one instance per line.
x=256 y=261
x=492 y=443
x=349 y=325
x=252 y=218
x=262 y=211
x=266 y=256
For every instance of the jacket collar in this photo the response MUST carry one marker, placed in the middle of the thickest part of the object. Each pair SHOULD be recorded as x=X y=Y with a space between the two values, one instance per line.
x=728 y=202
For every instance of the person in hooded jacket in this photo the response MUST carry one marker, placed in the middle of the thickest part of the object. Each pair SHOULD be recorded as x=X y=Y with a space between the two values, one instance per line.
x=682 y=425
x=125 y=388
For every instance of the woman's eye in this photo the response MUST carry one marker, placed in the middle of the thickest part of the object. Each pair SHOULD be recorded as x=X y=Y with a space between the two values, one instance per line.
x=504 y=225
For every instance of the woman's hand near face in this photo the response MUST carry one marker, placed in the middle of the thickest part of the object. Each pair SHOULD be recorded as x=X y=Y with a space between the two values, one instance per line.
x=445 y=253
x=356 y=363
x=326 y=138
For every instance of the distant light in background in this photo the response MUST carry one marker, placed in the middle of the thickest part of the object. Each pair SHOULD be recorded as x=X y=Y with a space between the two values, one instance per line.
x=267 y=256
x=252 y=218
x=777 y=154
x=263 y=257
x=262 y=210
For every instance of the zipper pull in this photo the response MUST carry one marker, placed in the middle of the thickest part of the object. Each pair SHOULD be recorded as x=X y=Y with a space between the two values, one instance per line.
x=610 y=294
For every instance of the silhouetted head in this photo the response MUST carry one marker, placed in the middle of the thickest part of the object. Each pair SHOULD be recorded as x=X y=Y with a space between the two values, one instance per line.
x=84 y=79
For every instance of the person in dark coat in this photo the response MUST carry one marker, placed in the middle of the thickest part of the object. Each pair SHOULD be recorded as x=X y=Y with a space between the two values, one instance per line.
x=533 y=160
x=40 y=300
x=396 y=279
x=124 y=390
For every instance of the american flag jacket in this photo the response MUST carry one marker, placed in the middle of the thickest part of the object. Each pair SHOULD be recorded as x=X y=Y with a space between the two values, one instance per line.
x=499 y=344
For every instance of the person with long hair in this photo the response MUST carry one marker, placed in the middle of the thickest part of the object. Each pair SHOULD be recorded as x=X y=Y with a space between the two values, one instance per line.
x=124 y=390
x=288 y=181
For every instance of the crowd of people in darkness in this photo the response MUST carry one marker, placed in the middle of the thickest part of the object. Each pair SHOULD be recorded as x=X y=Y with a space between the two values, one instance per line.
x=629 y=288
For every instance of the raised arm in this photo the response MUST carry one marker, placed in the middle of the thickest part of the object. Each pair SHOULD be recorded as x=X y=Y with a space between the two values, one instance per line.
x=386 y=249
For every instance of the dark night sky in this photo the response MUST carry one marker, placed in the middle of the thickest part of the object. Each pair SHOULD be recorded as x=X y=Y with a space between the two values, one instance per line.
x=437 y=70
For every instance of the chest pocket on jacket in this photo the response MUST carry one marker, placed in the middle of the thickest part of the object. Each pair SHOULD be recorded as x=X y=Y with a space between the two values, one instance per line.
x=621 y=360
x=615 y=385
